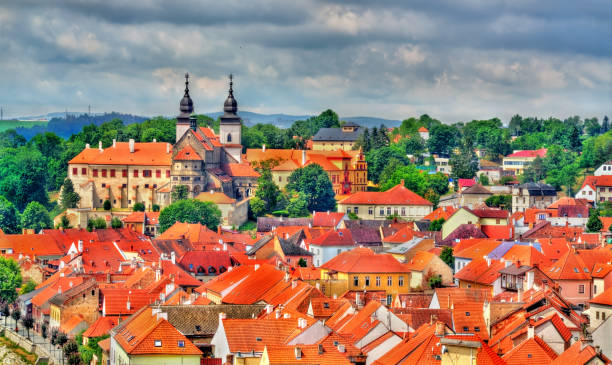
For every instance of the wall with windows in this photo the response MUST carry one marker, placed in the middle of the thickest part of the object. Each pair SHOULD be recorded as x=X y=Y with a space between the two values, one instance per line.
x=381 y=212
x=392 y=283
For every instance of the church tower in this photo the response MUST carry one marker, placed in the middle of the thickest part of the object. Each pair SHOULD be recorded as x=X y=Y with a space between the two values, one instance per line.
x=185 y=121
x=230 y=128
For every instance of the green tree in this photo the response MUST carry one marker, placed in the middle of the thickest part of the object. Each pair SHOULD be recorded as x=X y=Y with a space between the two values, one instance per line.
x=443 y=139
x=29 y=286
x=302 y=262
x=378 y=159
x=138 y=207
x=594 y=224
x=96 y=223
x=500 y=201
x=23 y=176
x=9 y=216
x=16 y=315
x=313 y=182
x=436 y=224
x=592 y=126
x=11 y=139
x=257 y=206
x=35 y=216
x=484 y=180
x=70 y=199
x=107 y=205
x=464 y=164
x=605 y=125
x=447 y=256
x=190 y=211
x=179 y=192
x=28 y=324
x=298 y=205
x=155 y=207
x=267 y=191
x=64 y=222
x=116 y=223
x=435 y=281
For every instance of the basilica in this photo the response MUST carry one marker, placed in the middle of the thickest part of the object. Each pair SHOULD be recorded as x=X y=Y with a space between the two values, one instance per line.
x=132 y=172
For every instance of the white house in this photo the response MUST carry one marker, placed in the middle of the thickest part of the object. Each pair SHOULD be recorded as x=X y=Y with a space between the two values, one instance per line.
x=604 y=169
x=330 y=244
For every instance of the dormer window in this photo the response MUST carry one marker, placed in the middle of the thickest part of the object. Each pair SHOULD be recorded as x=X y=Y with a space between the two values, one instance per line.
x=158 y=343
x=181 y=343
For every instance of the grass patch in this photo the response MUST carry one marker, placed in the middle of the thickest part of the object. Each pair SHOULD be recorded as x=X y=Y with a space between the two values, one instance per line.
x=12 y=124
x=23 y=354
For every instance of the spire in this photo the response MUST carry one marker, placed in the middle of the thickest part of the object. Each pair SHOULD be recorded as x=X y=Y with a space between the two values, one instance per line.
x=231 y=89
x=186 y=84
x=230 y=107
x=186 y=105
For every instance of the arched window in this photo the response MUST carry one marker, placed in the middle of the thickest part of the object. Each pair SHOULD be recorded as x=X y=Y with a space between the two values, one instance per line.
x=201 y=270
x=211 y=270
x=229 y=137
x=222 y=269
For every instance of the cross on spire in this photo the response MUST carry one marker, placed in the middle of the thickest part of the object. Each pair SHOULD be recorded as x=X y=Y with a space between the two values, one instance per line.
x=231 y=89
x=186 y=84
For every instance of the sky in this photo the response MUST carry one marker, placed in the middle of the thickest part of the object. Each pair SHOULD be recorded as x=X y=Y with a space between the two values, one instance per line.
x=454 y=60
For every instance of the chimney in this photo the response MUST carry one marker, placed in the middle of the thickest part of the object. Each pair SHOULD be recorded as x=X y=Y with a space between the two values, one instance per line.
x=154 y=140
x=286 y=277
x=488 y=260
x=263 y=147
x=221 y=316
x=298 y=353
x=301 y=323
x=256 y=267
x=303 y=157
x=167 y=147
x=440 y=329
x=286 y=315
x=530 y=331
x=173 y=257
x=225 y=247
x=293 y=284
x=80 y=246
x=100 y=146
x=131 y=145
x=114 y=143
x=269 y=308
x=127 y=304
x=59 y=290
x=87 y=145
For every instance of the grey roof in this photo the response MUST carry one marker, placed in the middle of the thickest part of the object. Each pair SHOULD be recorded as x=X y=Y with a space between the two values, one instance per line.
x=292 y=249
x=60 y=299
x=28 y=296
x=513 y=270
x=259 y=244
x=366 y=223
x=539 y=189
x=423 y=226
x=203 y=320
x=476 y=189
x=336 y=134
x=266 y=224
x=404 y=247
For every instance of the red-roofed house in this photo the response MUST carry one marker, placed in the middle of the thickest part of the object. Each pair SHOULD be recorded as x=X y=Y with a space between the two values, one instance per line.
x=517 y=161
x=143 y=222
x=398 y=200
x=596 y=189
x=600 y=308
x=495 y=223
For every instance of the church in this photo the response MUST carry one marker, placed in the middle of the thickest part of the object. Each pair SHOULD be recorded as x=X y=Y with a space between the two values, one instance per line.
x=130 y=172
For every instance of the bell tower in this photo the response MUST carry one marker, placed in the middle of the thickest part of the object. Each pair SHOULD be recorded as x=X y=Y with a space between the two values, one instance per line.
x=230 y=126
x=184 y=120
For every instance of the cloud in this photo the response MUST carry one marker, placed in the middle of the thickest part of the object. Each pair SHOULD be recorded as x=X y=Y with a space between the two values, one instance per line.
x=452 y=60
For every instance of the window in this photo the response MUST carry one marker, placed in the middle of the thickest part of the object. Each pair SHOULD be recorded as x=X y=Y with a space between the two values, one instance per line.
x=167 y=173
x=355 y=280
x=389 y=280
x=581 y=288
x=400 y=281
x=466 y=328
x=367 y=281
x=124 y=173
x=229 y=137
x=597 y=315
x=95 y=172
x=378 y=281
x=181 y=343
x=158 y=173
x=158 y=343
x=84 y=171
x=75 y=171
x=280 y=178
x=112 y=172
x=339 y=251
x=382 y=212
x=103 y=172
x=389 y=299
x=467 y=314
x=356 y=210
x=370 y=211
x=603 y=316
x=135 y=173
x=388 y=210
x=348 y=210
x=403 y=211
x=146 y=173
x=594 y=289
x=476 y=329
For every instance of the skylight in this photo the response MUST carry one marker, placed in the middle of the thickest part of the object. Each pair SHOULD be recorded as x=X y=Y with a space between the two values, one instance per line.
x=158 y=343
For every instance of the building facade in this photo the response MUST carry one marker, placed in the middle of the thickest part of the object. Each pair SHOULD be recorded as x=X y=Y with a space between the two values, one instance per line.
x=517 y=162
x=532 y=195
x=334 y=139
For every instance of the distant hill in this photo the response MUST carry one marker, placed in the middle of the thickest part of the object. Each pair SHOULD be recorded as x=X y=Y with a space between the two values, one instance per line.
x=280 y=120
x=370 y=122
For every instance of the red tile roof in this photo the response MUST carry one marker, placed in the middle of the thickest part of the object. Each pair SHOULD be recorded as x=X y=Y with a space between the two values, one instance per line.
x=194 y=232
x=340 y=237
x=245 y=335
x=216 y=197
x=187 y=154
x=196 y=261
x=101 y=327
x=578 y=354
x=240 y=170
x=422 y=129
x=69 y=325
x=32 y=245
x=397 y=195
x=604 y=298
x=477 y=250
x=420 y=261
x=364 y=260
x=480 y=271
x=149 y=153
x=441 y=212
x=114 y=300
x=529 y=153
x=327 y=219
x=464 y=183
x=526 y=255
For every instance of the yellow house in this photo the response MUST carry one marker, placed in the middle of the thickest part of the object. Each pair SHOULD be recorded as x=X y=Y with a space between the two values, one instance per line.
x=466 y=349
x=517 y=162
x=494 y=223
x=333 y=139
x=362 y=270
x=148 y=338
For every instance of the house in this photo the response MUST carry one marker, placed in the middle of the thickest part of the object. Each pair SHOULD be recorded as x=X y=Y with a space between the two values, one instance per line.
x=148 y=338
x=604 y=169
x=600 y=308
x=80 y=300
x=478 y=250
x=443 y=164
x=406 y=251
x=205 y=264
x=596 y=189
x=361 y=269
x=601 y=337
x=330 y=244
x=333 y=139
x=146 y=223
x=285 y=249
x=517 y=161
x=532 y=195
x=423 y=133
x=398 y=201
x=602 y=277
x=463 y=184
x=233 y=213
x=347 y=170
x=490 y=169
x=328 y=219
x=474 y=196
x=481 y=273
x=467 y=349
x=494 y=223
x=424 y=265
x=581 y=353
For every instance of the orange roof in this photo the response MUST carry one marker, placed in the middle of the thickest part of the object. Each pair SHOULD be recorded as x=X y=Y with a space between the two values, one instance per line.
x=478 y=250
x=147 y=154
x=147 y=334
x=307 y=273
x=61 y=284
x=364 y=260
x=526 y=255
x=567 y=201
x=410 y=347
x=607 y=223
x=240 y=170
x=397 y=195
x=194 y=232
x=601 y=270
x=216 y=197
x=575 y=265
x=289 y=160
x=115 y=300
x=245 y=335
x=101 y=327
x=604 y=298
x=534 y=350
x=72 y=322
x=420 y=260
x=31 y=245
x=403 y=235
x=595 y=181
x=579 y=353
x=529 y=153
x=327 y=219
x=326 y=307
x=555 y=320
x=187 y=154
x=441 y=212
x=480 y=271
x=340 y=237
x=422 y=129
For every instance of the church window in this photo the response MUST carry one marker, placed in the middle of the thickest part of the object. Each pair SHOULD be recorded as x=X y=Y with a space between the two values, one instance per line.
x=124 y=173
x=112 y=172
x=75 y=171
x=229 y=137
x=135 y=173
x=158 y=173
x=95 y=172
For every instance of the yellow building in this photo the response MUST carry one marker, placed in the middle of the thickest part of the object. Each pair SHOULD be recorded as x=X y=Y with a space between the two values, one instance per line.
x=347 y=170
x=363 y=270
x=517 y=162
x=333 y=139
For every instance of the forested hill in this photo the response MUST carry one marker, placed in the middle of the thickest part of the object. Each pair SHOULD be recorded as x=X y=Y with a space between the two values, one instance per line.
x=65 y=127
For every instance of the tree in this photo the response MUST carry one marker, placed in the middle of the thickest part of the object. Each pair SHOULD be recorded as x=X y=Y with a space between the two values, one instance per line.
x=36 y=217
x=464 y=164
x=302 y=262
x=484 y=180
x=10 y=279
x=71 y=347
x=116 y=222
x=16 y=315
x=28 y=323
x=70 y=199
x=592 y=126
x=23 y=176
x=500 y=201
x=594 y=224
x=107 y=205
x=378 y=159
x=313 y=182
x=44 y=331
x=155 y=207
x=258 y=206
x=447 y=256
x=436 y=224
x=435 y=281
x=605 y=125
x=179 y=192
x=267 y=191
x=298 y=205
x=6 y=312
x=190 y=211
x=64 y=221
x=96 y=223
x=9 y=216
x=442 y=139
x=29 y=286
x=138 y=207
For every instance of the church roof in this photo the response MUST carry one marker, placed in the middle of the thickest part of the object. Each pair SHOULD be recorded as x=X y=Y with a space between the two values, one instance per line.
x=188 y=154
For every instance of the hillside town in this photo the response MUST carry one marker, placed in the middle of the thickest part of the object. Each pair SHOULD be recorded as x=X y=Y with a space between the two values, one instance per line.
x=202 y=251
